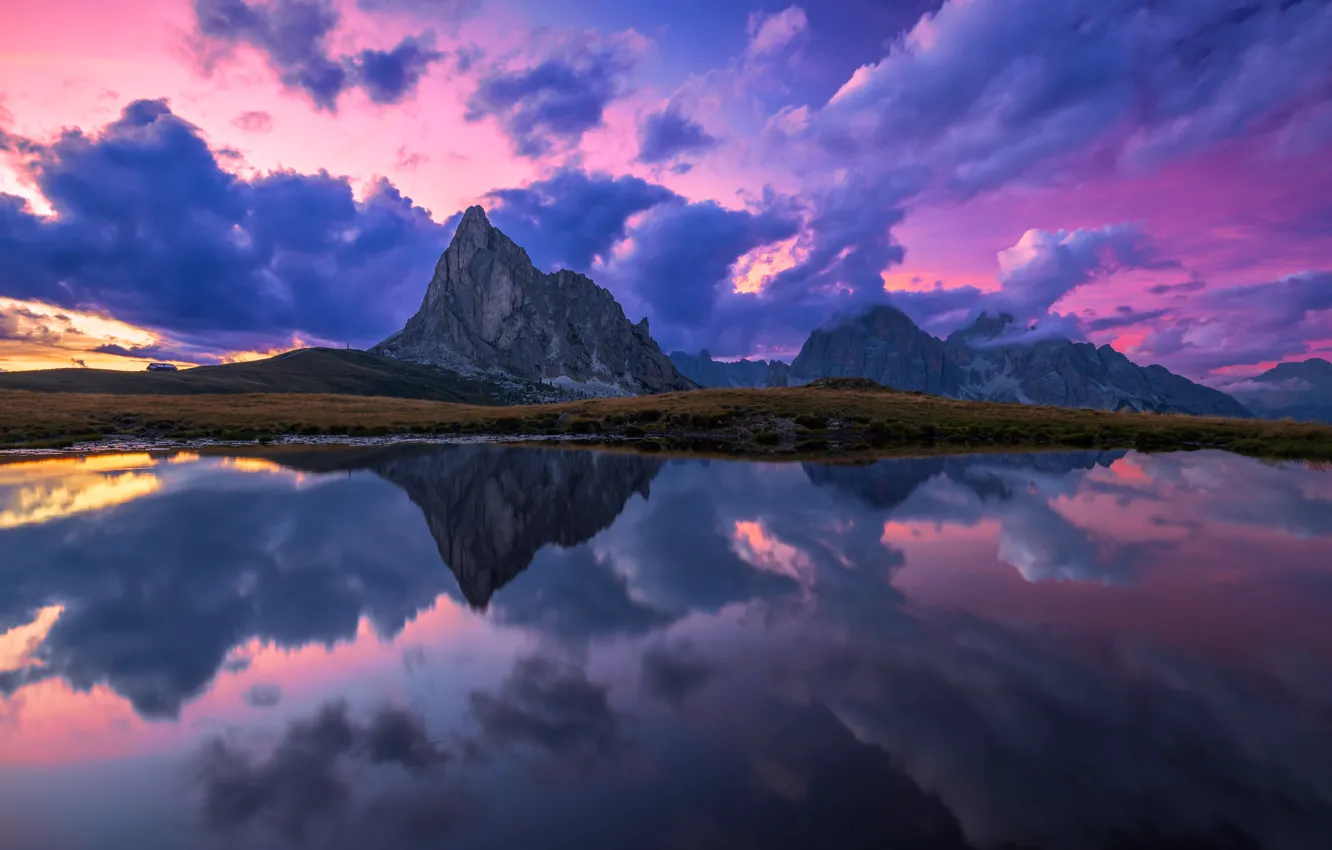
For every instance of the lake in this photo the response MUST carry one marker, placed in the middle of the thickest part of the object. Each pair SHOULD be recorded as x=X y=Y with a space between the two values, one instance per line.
x=487 y=647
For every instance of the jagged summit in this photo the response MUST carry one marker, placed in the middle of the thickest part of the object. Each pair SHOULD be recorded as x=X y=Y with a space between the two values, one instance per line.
x=988 y=362
x=489 y=309
x=881 y=343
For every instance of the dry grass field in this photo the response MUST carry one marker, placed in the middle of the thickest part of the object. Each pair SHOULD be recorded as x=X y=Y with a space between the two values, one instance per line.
x=841 y=417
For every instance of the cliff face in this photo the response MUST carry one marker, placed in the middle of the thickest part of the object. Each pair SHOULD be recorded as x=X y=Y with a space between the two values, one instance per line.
x=706 y=372
x=488 y=309
x=988 y=362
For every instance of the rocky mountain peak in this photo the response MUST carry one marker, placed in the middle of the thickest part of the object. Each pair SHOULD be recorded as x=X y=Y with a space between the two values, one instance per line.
x=882 y=343
x=987 y=361
x=1315 y=370
x=987 y=327
x=884 y=316
x=488 y=309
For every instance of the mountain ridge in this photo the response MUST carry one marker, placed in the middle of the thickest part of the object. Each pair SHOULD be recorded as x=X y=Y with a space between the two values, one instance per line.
x=988 y=361
x=1296 y=390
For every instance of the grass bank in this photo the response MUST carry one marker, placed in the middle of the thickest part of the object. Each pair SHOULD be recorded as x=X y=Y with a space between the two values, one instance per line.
x=840 y=418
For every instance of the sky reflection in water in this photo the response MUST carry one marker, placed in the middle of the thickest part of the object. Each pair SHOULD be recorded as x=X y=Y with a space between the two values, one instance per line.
x=485 y=647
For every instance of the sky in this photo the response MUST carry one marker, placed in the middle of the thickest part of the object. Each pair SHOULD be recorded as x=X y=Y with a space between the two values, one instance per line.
x=201 y=181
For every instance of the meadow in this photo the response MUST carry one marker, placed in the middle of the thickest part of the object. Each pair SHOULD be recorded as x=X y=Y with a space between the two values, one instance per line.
x=833 y=418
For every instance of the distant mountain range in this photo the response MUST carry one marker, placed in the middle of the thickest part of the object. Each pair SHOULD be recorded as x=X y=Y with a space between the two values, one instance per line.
x=984 y=362
x=1295 y=390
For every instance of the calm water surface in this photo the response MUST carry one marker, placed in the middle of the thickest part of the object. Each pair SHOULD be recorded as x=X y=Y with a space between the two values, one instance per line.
x=485 y=647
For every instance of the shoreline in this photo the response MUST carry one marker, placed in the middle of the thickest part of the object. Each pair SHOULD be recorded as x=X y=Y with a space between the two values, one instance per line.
x=276 y=448
x=839 y=421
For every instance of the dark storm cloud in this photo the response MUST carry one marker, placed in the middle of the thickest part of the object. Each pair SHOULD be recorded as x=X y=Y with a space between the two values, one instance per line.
x=850 y=238
x=150 y=228
x=314 y=786
x=674 y=672
x=549 y=704
x=682 y=259
x=156 y=352
x=293 y=35
x=574 y=595
x=554 y=102
x=664 y=135
x=1280 y=304
x=390 y=75
x=1000 y=723
x=573 y=217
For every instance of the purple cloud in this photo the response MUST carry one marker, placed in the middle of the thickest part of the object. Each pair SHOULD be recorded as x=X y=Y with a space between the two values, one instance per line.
x=682 y=258
x=151 y=228
x=293 y=35
x=669 y=133
x=389 y=76
x=450 y=11
x=771 y=34
x=1248 y=325
x=1194 y=285
x=560 y=98
x=988 y=91
x=1123 y=320
x=572 y=218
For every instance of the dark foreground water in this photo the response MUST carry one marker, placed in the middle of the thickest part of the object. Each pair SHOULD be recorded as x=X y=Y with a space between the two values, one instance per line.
x=497 y=647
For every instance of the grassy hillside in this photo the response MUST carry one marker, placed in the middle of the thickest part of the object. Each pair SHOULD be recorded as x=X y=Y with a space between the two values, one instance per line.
x=307 y=370
x=825 y=418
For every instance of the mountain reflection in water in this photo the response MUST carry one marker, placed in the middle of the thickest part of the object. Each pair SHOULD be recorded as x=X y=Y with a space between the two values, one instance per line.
x=1073 y=650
